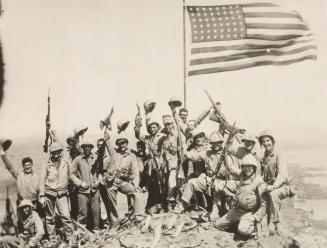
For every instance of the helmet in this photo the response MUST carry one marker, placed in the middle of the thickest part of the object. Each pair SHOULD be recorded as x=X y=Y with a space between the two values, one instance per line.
x=25 y=203
x=55 y=147
x=249 y=159
x=167 y=119
x=199 y=134
x=121 y=138
x=122 y=125
x=215 y=137
x=267 y=133
x=152 y=121
x=80 y=130
x=5 y=143
x=175 y=101
x=149 y=106
x=87 y=143
x=248 y=137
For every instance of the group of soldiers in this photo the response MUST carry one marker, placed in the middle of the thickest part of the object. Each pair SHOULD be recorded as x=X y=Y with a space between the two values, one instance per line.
x=180 y=168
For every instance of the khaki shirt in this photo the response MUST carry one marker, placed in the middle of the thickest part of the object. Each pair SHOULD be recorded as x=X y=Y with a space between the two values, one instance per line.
x=274 y=169
x=54 y=178
x=27 y=184
x=31 y=230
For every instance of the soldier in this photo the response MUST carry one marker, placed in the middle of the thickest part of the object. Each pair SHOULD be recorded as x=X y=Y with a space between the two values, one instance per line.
x=201 y=183
x=274 y=171
x=170 y=160
x=141 y=158
x=250 y=201
x=54 y=177
x=153 y=166
x=87 y=179
x=123 y=175
x=186 y=127
x=30 y=226
x=27 y=181
x=247 y=147
x=196 y=155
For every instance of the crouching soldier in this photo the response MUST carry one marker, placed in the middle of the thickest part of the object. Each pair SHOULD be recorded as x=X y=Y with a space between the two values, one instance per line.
x=54 y=176
x=249 y=206
x=87 y=179
x=123 y=175
x=30 y=225
x=274 y=171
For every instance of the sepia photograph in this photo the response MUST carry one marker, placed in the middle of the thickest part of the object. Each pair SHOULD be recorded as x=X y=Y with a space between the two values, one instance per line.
x=163 y=123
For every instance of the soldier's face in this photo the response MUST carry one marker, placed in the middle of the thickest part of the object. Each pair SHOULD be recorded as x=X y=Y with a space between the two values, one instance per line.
x=87 y=150
x=216 y=146
x=26 y=211
x=27 y=167
x=183 y=115
x=153 y=129
x=248 y=169
x=267 y=143
x=199 y=141
x=122 y=146
x=248 y=144
x=169 y=127
x=55 y=155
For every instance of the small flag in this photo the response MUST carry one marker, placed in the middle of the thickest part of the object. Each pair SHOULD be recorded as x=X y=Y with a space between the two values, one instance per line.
x=240 y=36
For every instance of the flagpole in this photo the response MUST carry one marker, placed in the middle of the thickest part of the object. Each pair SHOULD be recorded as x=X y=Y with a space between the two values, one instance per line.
x=184 y=55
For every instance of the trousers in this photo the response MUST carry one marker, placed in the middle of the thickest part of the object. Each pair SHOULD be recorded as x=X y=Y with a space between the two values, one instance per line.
x=89 y=203
x=62 y=206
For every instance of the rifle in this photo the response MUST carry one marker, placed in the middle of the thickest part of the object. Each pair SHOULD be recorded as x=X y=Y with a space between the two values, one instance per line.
x=48 y=137
x=160 y=181
x=8 y=224
x=222 y=119
x=222 y=157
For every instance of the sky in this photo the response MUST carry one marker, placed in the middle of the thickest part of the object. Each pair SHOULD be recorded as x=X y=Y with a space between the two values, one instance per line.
x=96 y=54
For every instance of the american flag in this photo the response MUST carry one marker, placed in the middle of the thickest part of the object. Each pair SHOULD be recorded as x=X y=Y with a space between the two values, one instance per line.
x=240 y=36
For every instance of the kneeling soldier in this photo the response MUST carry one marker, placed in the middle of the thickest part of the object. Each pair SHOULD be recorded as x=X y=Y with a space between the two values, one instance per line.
x=249 y=206
x=30 y=225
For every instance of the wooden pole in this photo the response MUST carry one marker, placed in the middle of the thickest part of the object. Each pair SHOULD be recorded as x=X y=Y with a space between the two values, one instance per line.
x=184 y=55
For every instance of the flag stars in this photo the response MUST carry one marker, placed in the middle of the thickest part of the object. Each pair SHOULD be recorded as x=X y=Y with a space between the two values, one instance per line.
x=208 y=37
x=215 y=36
x=227 y=24
x=213 y=19
x=199 y=14
x=215 y=25
x=208 y=25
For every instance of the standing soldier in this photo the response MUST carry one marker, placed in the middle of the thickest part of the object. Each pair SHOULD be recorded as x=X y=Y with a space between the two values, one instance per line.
x=141 y=158
x=274 y=171
x=153 y=167
x=30 y=226
x=85 y=176
x=54 y=177
x=27 y=181
x=170 y=161
x=123 y=175
x=250 y=201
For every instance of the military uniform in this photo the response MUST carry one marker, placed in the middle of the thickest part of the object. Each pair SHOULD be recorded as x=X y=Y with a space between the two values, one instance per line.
x=89 y=198
x=250 y=202
x=30 y=229
x=122 y=174
x=153 y=166
x=54 y=187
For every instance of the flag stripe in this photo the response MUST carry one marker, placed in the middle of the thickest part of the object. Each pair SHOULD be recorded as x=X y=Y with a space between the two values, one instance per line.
x=277 y=26
x=241 y=50
x=248 y=41
x=273 y=32
x=254 y=59
x=271 y=14
x=200 y=50
x=272 y=37
x=259 y=5
x=250 y=55
x=274 y=20
x=249 y=65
